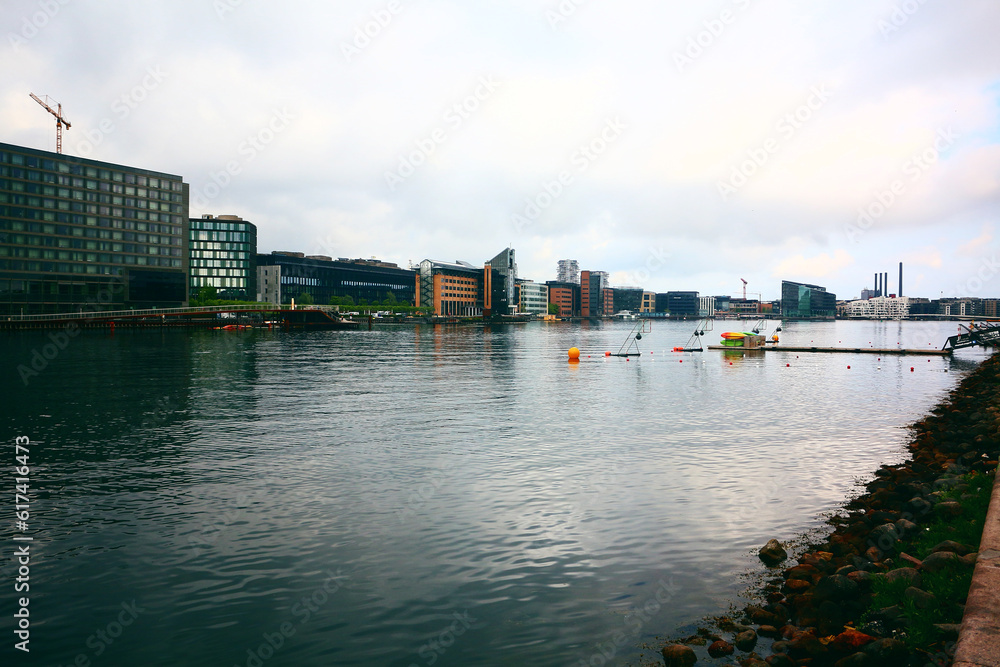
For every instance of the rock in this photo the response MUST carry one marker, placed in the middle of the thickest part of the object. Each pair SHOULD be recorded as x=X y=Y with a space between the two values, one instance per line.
x=918 y=506
x=805 y=572
x=954 y=547
x=720 y=648
x=886 y=652
x=970 y=559
x=908 y=574
x=836 y=587
x=779 y=660
x=678 y=655
x=851 y=641
x=760 y=616
x=752 y=660
x=884 y=537
x=695 y=641
x=922 y=599
x=745 y=641
x=939 y=560
x=797 y=585
x=806 y=645
x=948 y=509
x=780 y=646
x=858 y=659
x=772 y=553
x=845 y=570
x=769 y=631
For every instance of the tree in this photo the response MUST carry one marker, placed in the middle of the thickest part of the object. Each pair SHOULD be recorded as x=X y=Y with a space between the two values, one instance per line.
x=206 y=294
x=305 y=299
x=553 y=309
x=390 y=300
x=346 y=300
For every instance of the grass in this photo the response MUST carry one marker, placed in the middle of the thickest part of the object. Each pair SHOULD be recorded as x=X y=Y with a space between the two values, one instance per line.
x=950 y=585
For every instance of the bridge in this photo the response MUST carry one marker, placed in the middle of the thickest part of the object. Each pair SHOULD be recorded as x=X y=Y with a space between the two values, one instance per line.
x=302 y=317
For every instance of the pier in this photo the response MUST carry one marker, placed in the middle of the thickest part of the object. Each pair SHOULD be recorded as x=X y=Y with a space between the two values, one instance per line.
x=933 y=352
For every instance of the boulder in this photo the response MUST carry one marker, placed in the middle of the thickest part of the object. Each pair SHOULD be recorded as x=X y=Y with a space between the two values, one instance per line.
x=851 y=641
x=886 y=651
x=720 y=648
x=769 y=631
x=772 y=553
x=745 y=641
x=884 y=537
x=678 y=655
x=948 y=509
x=951 y=545
x=908 y=574
x=939 y=560
x=779 y=660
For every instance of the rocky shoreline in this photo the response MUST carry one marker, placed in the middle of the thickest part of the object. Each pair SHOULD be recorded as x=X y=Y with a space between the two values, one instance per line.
x=819 y=611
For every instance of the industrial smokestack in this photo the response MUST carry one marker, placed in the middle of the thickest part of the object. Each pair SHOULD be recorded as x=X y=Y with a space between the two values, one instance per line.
x=876 y=284
x=900 y=293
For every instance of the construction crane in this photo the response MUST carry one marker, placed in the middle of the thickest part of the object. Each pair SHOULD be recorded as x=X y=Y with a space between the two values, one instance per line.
x=60 y=121
x=744 y=289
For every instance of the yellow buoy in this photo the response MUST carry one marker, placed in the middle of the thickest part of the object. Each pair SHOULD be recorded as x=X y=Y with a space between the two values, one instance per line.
x=574 y=353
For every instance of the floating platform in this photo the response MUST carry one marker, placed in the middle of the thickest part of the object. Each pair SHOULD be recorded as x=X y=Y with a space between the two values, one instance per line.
x=930 y=352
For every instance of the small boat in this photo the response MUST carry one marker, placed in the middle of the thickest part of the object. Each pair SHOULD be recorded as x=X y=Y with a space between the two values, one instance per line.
x=734 y=335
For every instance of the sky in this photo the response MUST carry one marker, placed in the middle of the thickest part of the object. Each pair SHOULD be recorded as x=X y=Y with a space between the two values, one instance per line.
x=675 y=145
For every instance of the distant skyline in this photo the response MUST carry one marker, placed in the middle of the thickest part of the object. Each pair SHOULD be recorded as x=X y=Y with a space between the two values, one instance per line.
x=677 y=146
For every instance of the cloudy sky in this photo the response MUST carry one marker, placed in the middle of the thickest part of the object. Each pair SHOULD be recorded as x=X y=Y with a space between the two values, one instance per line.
x=677 y=145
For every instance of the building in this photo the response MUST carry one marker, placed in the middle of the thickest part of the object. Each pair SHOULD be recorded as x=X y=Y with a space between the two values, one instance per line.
x=223 y=255
x=453 y=289
x=283 y=276
x=565 y=296
x=593 y=300
x=706 y=306
x=626 y=298
x=532 y=298
x=804 y=301
x=568 y=271
x=648 y=302
x=499 y=283
x=878 y=308
x=682 y=304
x=722 y=303
x=78 y=234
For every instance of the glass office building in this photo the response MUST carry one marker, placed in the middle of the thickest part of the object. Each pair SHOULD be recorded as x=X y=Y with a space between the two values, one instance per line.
x=223 y=255
x=805 y=301
x=78 y=234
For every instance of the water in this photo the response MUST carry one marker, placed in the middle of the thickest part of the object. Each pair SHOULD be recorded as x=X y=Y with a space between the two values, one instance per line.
x=451 y=495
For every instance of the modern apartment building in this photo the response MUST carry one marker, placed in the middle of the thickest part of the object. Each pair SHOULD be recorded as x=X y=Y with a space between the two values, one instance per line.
x=223 y=254
x=79 y=234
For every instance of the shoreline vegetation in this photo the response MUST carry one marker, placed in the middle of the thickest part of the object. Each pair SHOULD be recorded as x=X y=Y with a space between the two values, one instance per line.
x=887 y=585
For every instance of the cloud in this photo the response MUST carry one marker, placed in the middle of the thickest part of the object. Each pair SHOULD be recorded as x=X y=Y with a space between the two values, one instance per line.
x=820 y=266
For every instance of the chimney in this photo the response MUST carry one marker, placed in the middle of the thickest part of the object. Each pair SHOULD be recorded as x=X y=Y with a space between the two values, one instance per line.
x=900 y=293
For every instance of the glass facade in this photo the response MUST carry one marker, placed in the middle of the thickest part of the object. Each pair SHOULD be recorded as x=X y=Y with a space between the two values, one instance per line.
x=294 y=275
x=223 y=255
x=804 y=301
x=78 y=234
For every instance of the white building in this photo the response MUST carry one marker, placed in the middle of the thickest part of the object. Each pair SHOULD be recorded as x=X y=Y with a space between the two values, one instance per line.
x=568 y=271
x=879 y=308
x=534 y=298
x=706 y=306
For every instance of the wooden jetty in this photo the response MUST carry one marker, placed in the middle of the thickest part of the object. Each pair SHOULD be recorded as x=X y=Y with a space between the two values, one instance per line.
x=930 y=352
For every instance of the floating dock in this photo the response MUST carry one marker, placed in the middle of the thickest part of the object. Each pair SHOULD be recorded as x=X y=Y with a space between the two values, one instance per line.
x=930 y=352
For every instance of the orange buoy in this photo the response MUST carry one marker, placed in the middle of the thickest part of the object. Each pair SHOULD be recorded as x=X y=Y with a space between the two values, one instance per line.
x=848 y=368
x=574 y=353
x=607 y=354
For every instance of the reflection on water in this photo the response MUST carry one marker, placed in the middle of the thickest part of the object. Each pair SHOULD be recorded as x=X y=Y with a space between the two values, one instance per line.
x=445 y=495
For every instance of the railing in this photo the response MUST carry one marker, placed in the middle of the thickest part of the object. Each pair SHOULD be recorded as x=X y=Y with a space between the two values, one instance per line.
x=112 y=314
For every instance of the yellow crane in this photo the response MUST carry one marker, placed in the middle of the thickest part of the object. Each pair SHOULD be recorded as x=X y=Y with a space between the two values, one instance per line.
x=60 y=121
